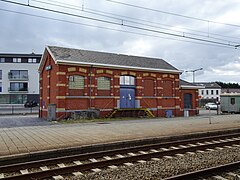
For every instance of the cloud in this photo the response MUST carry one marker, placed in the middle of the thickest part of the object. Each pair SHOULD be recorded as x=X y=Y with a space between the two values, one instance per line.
x=21 y=33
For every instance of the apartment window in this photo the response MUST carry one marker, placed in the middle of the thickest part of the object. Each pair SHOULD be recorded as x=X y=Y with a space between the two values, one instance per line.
x=207 y=92
x=2 y=59
x=18 y=86
x=127 y=80
x=18 y=74
x=211 y=92
x=103 y=83
x=0 y=74
x=17 y=60
x=202 y=92
x=76 y=82
x=32 y=60
x=216 y=92
x=0 y=87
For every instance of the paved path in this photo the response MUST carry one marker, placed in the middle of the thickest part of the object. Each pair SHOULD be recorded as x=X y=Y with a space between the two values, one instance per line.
x=27 y=139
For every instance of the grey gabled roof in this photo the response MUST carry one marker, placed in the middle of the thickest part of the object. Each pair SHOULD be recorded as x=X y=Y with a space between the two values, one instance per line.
x=185 y=84
x=208 y=85
x=63 y=55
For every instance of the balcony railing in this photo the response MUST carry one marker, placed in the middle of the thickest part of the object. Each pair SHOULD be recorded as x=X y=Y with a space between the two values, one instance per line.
x=17 y=90
x=23 y=78
x=17 y=77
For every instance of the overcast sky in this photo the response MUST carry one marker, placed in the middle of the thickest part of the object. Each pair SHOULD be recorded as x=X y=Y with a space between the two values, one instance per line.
x=143 y=32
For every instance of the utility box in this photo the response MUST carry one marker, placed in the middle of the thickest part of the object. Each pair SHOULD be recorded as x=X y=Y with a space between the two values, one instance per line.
x=51 y=112
x=186 y=113
x=169 y=113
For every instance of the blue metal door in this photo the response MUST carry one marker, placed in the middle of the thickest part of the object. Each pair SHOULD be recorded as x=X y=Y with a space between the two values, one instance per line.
x=127 y=98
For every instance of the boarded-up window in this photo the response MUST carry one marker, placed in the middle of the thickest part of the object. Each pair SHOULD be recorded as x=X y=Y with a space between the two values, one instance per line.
x=148 y=87
x=103 y=83
x=167 y=88
x=76 y=82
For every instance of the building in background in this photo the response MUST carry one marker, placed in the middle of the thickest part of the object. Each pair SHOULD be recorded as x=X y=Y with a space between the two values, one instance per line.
x=19 y=78
x=208 y=92
x=74 y=80
x=230 y=90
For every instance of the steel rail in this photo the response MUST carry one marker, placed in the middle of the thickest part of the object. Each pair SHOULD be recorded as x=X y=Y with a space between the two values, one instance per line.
x=203 y=173
x=117 y=161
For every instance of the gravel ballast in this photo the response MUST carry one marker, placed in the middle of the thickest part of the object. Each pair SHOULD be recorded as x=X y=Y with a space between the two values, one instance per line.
x=168 y=167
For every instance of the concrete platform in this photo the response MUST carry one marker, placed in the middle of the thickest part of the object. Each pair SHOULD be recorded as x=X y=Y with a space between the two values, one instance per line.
x=39 y=138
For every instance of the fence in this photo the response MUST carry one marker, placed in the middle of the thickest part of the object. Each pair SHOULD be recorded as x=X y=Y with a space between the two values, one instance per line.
x=17 y=109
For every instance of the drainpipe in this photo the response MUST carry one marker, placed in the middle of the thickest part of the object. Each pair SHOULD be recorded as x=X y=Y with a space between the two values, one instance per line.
x=90 y=93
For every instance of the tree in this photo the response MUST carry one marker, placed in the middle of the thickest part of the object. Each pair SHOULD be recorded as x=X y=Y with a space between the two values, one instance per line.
x=228 y=85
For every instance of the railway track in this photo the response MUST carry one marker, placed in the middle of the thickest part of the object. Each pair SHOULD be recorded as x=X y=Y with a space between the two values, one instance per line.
x=85 y=163
x=222 y=172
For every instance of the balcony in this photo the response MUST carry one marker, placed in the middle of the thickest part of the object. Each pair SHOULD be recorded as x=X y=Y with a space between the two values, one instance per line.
x=18 y=87
x=15 y=77
x=15 y=90
x=18 y=75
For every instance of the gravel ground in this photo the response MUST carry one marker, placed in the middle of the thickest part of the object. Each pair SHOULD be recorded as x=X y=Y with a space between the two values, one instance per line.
x=8 y=121
x=168 y=167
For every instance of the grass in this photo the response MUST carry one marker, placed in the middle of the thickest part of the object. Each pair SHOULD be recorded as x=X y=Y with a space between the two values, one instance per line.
x=72 y=121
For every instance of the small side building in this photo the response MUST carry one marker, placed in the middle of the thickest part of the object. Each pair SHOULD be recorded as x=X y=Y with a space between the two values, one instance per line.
x=230 y=103
x=75 y=80
x=189 y=98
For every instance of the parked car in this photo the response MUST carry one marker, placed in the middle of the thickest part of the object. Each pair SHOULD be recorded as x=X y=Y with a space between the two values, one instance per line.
x=30 y=104
x=211 y=106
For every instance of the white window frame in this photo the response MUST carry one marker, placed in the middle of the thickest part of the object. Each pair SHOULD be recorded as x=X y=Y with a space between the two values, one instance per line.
x=17 y=60
x=2 y=60
x=127 y=80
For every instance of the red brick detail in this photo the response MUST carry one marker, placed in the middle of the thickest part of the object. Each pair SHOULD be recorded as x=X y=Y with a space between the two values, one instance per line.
x=104 y=103
x=77 y=103
x=148 y=87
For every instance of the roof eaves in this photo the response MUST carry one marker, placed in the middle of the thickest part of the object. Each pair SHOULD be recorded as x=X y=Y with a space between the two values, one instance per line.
x=189 y=87
x=116 y=66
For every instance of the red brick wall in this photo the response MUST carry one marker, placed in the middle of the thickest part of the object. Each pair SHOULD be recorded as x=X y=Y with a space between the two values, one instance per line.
x=155 y=90
x=194 y=110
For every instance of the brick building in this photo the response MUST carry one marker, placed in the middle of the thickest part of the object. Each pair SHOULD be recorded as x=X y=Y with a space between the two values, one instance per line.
x=74 y=80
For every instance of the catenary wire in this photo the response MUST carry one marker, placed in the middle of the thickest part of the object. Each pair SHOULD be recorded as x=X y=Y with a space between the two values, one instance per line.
x=91 y=11
x=174 y=14
x=122 y=16
x=112 y=29
x=115 y=23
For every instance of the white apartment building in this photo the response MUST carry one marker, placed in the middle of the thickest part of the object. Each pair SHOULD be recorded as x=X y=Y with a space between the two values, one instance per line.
x=19 y=78
x=209 y=92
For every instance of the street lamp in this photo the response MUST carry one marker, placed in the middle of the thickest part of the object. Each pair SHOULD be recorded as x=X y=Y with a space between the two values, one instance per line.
x=193 y=71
